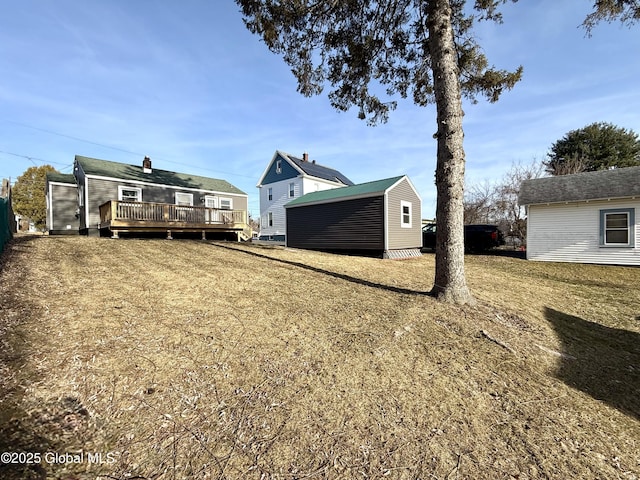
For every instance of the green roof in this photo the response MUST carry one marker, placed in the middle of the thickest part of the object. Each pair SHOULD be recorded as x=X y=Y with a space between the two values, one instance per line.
x=123 y=171
x=61 y=177
x=368 y=189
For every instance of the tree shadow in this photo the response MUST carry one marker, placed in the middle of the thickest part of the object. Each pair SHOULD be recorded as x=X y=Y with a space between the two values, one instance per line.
x=23 y=428
x=606 y=363
x=341 y=276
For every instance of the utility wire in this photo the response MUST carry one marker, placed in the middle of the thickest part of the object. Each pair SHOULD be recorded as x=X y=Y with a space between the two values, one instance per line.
x=127 y=151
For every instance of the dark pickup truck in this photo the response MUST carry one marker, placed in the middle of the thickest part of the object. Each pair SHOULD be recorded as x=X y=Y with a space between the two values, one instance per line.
x=477 y=238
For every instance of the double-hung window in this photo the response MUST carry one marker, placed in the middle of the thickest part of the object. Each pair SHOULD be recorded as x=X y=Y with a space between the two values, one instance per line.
x=270 y=193
x=129 y=194
x=226 y=203
x=405 y=214
x=617 y=227
x=292 y=190
x=184 y=199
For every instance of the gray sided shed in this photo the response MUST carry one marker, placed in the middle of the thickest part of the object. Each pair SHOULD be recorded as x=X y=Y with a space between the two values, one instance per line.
x=380 y=217
x=62 y=204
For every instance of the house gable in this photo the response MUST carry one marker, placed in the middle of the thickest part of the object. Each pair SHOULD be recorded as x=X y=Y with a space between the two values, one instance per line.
x=299 y=167
x=274 y=174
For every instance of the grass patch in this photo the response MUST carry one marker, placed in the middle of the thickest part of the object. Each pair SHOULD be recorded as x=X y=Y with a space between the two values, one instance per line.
x=197 y=360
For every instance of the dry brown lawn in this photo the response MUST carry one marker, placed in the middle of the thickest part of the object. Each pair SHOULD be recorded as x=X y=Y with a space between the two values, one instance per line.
x=194 y=360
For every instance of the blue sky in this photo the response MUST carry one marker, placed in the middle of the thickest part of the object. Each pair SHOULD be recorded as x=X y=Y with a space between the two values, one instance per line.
x=188 y=85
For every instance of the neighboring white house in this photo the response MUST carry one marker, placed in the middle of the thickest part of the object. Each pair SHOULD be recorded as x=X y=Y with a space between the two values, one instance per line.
x=590 y=217
x=287 y=178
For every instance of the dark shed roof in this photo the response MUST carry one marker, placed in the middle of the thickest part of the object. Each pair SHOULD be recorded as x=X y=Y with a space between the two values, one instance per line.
x=604 y=184
x=123 y=171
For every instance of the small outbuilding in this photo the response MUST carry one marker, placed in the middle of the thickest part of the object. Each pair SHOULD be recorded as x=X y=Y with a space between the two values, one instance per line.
x=590 y=217
x=62 y=204
x=381 y=217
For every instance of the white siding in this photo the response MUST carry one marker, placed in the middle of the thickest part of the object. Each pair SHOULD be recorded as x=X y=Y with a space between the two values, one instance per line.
x=571 y=233
x=281 y=197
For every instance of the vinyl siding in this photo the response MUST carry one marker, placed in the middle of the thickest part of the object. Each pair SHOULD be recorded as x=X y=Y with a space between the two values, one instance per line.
x=63 y=200
x=397 y=236
x=287 y=172
x=276 y=205
x=348 y=225
x=101 y=191
x=281 y=198
x=571 y=233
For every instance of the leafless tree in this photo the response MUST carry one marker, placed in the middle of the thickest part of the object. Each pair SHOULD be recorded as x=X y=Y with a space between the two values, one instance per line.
x=497 y=202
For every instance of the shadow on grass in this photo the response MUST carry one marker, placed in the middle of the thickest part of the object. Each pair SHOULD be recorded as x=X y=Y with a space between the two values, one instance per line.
x=23 y=433
x=341 y=276
x=606 y=364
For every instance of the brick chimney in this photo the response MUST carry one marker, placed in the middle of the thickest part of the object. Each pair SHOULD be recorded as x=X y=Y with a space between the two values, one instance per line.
x=305 y=157
x=146 y=165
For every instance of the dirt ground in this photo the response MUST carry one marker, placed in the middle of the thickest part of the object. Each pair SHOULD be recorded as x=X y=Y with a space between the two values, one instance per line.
x=155 y=359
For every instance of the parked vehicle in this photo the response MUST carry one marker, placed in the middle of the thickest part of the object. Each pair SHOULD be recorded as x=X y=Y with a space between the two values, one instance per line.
x=477 y=238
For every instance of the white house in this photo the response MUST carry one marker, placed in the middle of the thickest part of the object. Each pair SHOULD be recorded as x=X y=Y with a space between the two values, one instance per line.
x=285 y=179
x=590 y=217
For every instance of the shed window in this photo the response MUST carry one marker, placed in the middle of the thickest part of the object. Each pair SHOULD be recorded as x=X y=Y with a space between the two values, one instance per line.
x=292 y=189
x=129 y=194
x=405 y=214
x=617 y=228
x=184 y=199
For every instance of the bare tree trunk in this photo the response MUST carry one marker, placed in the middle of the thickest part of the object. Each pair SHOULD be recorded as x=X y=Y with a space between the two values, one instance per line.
x=450 y=284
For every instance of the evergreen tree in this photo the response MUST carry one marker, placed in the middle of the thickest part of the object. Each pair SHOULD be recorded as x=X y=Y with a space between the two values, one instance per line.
x=599 y=146
x=371 y=52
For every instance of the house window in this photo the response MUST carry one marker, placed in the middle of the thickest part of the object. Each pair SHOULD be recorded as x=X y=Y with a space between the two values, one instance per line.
x=81 y=195
x=210 y=202
x=270 y=219
x=129 y=194
x=278 y=166
x=184 y=199
x=226 y=203
x=617 y=227
x=405 y=214
x=270 y=193
x=292 y=189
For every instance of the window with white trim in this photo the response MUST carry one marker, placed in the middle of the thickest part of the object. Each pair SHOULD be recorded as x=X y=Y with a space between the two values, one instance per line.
x=129 y=194
x=184 y=199
x=292 y=189
x=270 y=193
x=270 y=219
x=226 y=203
x=405 y=214
x=278 y=166
x=617 y=227
x=210 y=201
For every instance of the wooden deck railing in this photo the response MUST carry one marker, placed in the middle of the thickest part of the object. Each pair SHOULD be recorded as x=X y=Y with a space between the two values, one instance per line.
x=114 y=210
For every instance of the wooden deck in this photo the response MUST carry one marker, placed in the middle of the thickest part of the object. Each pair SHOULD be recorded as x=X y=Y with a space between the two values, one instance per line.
x=119 y=217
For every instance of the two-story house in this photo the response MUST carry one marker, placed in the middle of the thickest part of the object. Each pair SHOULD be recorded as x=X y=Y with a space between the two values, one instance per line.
x=285 y=179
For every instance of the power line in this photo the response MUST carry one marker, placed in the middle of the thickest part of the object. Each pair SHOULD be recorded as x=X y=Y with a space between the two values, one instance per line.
x=182 y=164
